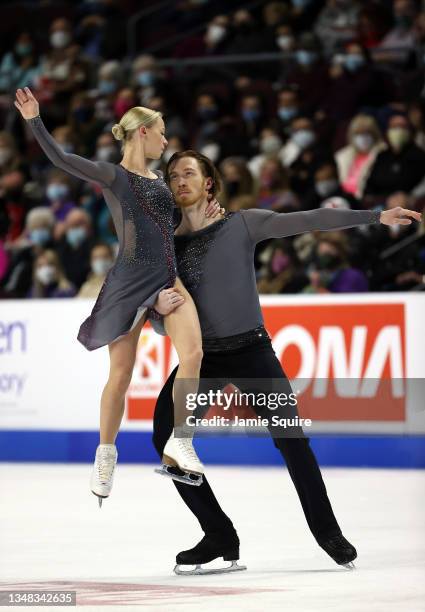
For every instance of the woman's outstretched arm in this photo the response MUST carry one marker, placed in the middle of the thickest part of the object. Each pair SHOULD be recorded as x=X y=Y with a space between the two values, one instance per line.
x=98 y=172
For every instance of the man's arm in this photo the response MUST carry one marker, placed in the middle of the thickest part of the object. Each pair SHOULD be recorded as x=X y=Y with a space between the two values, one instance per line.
x=264 y=224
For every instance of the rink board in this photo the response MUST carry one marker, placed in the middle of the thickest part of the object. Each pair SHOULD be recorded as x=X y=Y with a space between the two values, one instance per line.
x=50 y=385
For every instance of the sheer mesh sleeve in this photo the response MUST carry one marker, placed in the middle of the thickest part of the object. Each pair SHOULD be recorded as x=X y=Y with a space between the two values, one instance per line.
x=263 y=224
x=98 y=172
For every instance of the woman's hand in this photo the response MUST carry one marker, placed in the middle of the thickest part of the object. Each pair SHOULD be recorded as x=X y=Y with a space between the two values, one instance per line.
x=399 y=216
x=168 y=300
x=214 y=209
x=26 y=104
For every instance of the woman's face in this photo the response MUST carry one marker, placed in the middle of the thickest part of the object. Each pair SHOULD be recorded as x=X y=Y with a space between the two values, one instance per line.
x=154 y=139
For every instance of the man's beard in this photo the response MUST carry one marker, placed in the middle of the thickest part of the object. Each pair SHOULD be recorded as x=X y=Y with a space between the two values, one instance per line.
x=186 y=202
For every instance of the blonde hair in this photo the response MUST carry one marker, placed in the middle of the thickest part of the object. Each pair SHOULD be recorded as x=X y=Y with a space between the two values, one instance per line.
x=366 y=123
x=53 y=260
x=132 y=120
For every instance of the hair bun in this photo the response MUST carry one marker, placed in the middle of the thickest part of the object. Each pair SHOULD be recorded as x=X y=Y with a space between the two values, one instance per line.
x=118 y=131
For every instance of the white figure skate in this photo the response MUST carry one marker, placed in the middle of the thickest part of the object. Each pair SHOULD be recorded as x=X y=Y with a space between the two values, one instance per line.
x=103 y=471
x=180 y=456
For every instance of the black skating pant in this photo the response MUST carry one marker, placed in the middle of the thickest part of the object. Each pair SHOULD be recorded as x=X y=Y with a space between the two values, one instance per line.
x=255 y=361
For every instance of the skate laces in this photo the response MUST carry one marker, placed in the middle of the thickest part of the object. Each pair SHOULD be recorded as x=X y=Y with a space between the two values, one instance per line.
x=105 y=464
x=187 y=448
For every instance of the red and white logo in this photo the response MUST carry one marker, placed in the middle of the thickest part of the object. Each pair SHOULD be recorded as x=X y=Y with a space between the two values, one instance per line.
x=346 y=361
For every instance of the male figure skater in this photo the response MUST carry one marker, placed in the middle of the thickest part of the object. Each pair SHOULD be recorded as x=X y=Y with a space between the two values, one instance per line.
x=215 y=260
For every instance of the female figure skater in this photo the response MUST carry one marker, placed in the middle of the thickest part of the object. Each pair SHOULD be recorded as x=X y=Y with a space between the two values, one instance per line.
x=141 y=206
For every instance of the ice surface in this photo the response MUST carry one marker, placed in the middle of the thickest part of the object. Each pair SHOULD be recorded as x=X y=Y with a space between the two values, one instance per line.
x=53 y=535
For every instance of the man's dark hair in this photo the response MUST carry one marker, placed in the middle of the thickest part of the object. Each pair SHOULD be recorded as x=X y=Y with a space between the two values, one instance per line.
x=207 y=168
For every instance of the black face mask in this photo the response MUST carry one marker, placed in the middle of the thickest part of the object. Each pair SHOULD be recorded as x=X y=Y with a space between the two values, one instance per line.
x=83 y=114
x=207 y=113
x=232 y=188
x=328 y=261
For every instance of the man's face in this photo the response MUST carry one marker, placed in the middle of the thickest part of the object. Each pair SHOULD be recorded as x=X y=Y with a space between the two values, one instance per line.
x=187 y=183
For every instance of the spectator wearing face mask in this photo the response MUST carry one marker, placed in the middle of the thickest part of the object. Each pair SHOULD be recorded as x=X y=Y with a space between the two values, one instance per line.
x=274 y=192
x=402 y=37
x=355 y=160
x=109 y=78
x=85 y=125
x=282 y=271
x=288 y=108
x=147 y=79
x=251 y=122
x=59 y=196
x=175 y=125
x=269 y=145
x=106 y=149
x=90 y=35
x=206 y=120
x=302 y=154
x=284 y=38
x=246 y=36
x=328 y=188
x=217 y=35
x=64 y=136
x=308 y=73
x=49 y=280
x=19 y=67
x=353 y=84
x=101 y=261
x=75 y=246
x=400 y=167
x=63 y=71
x=330 y=271
x=37 y=236
x=337 y=23
x=237 y=179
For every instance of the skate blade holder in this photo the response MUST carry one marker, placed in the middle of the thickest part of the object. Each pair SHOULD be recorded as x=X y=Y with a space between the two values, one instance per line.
x=189 y=478
x=198 y=570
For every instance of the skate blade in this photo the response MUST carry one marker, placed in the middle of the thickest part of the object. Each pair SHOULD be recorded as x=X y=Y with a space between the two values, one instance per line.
x=185 y=478
x=203 y=571
x=100 y=498
x=349 y=566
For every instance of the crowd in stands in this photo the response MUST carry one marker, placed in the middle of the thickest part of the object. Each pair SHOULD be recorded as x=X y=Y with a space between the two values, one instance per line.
x=333 y=116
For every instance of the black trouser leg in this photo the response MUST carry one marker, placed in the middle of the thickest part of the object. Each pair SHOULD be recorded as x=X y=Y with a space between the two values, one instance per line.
x=260 y=361
x=200 y=500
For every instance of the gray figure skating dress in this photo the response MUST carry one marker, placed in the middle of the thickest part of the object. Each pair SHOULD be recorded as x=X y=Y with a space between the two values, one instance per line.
x=142 y=212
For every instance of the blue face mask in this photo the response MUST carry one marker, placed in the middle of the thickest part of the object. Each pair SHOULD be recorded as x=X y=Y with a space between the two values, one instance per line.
x=57 y=191
x=145 y=78
x=353 y=61
x=40 y=236
x=286 y=113
x=76 y=235
x=207 y=113
x=250 y=114
x=107 y=87
x=23 y=49
x=304 y=57
x=300 y=4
